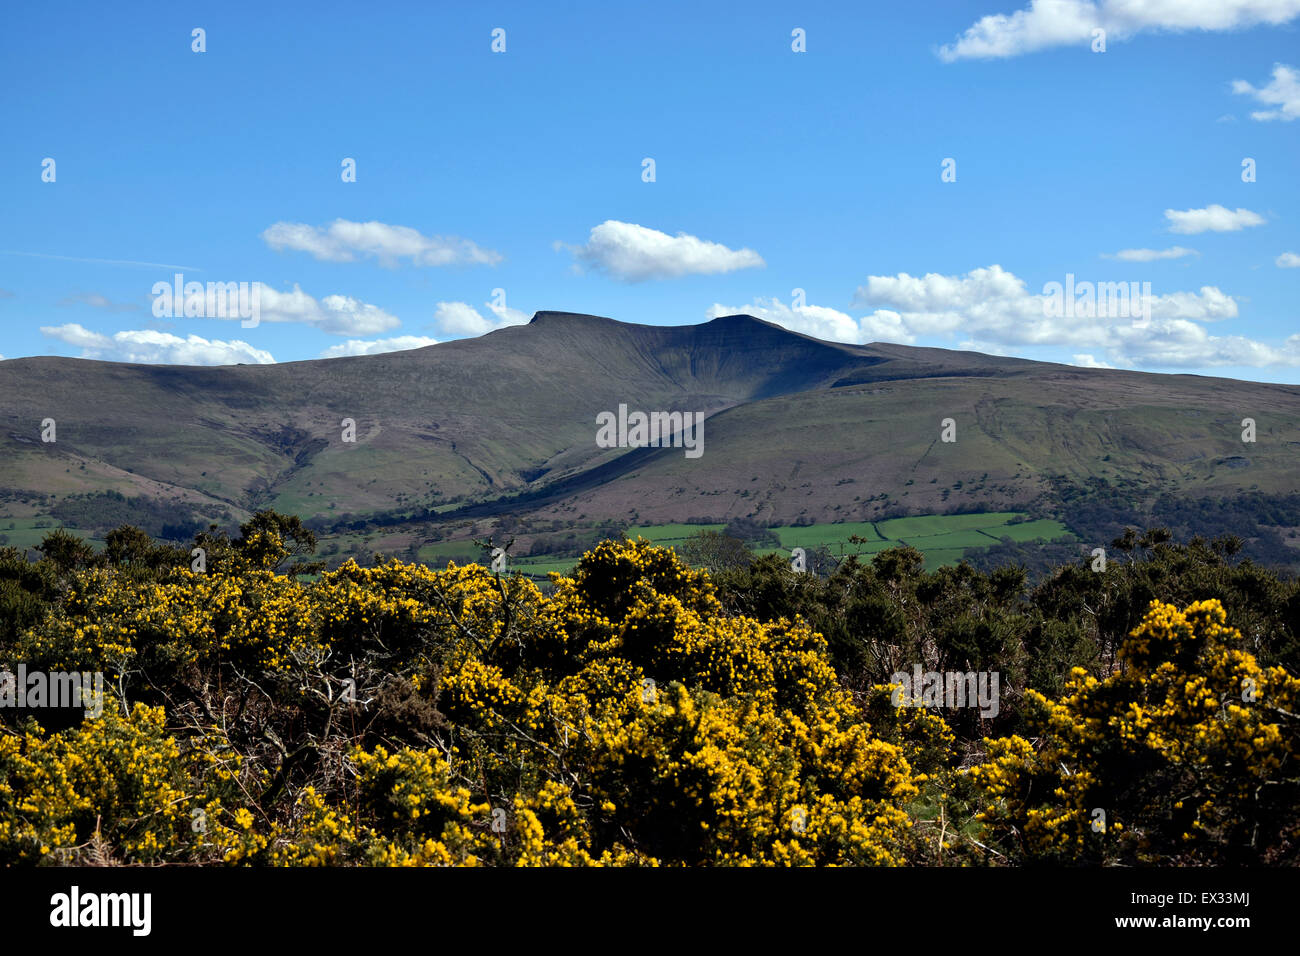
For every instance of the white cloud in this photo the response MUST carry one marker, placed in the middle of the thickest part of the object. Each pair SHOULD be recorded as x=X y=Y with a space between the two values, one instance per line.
x=821 y=321
x=1208 y=305
x=1288 y=260
x=1283 y=91
x=462 y=319
x=507 y=316
x=336 y=314
x=1150 y=255
x=1213 y=218
x=1182 y=344
x=156 y=348
x=1052 y=23
x=345 y=241
x=993 y=307
x=1087 y=361
x=78 y=335
x=934 y=293
x=995 y=300
x=634 y=253
x=1045 y=23
x=376 y=346
x=885 y=325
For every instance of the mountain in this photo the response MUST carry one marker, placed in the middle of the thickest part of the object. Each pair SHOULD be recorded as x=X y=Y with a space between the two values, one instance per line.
x=797 y=429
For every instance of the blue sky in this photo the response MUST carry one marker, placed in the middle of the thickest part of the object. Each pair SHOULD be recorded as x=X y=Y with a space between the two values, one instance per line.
x=775 y=170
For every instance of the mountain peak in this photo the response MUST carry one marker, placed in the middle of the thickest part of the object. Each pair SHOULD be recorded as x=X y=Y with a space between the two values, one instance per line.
x=742 y=320
x=738 y=319
x=546 y=315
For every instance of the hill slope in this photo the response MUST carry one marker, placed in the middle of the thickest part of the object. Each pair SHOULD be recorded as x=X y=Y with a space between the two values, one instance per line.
x=797 y=428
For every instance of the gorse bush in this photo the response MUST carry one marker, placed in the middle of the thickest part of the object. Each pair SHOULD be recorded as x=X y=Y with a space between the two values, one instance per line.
x=1186 y=755
x=639 y=713
x=114 y=782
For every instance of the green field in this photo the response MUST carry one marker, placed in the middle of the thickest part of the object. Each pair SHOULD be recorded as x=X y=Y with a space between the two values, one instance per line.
x=437 y=555
x=670 y=533
x=1041 y=530
x=539 y=567
x=959 y=539
x=941 y=538
x=25 y=534
x=900 y=529
x=814 y=535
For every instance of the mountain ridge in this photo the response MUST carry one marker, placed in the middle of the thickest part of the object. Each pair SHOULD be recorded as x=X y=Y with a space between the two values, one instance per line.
x=792 y=421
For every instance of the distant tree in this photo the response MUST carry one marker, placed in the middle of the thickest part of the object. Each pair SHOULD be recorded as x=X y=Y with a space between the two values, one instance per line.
x=1227 y=545
x=26 y=590
x=269 y=538
x=752 y=533
x=716 y=551
x=1126 y=542
x=1154 y=537
x=66 y=551
x=127 y=545
x=266 y=541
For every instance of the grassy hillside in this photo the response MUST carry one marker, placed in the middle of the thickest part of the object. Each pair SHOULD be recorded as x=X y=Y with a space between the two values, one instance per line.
x=452 y=438
x=860 y=452
x=454 y=420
